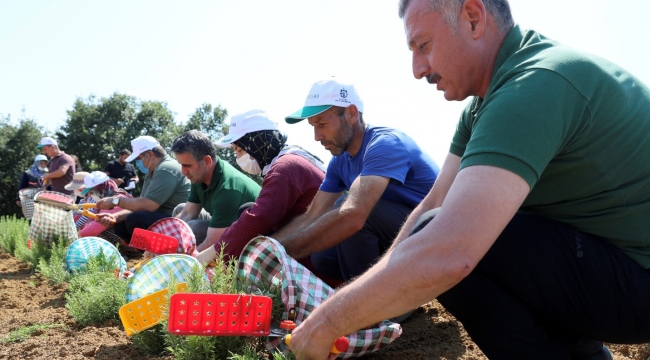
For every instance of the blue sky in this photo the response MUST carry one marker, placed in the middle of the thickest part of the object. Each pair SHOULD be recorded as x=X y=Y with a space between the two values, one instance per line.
x=264 y=54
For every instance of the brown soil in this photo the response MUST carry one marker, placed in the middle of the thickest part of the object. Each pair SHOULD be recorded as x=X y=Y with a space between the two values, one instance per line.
x=28 y=299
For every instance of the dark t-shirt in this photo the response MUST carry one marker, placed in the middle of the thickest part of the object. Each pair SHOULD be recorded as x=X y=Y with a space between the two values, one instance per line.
x=58 y=184
x=116 y=170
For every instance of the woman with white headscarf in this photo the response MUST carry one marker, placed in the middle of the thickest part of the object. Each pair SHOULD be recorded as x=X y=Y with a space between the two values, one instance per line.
x=291 y=175
x=33 y=177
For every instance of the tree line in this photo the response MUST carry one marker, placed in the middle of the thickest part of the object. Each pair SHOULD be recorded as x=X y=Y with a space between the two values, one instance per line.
x=95 y=130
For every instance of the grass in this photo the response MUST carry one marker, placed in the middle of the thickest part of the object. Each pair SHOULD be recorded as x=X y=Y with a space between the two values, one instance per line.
x=27 y=331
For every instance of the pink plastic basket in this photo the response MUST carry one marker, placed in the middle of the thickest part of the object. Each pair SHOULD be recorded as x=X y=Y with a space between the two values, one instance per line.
x=219 y=315
x=156 y=243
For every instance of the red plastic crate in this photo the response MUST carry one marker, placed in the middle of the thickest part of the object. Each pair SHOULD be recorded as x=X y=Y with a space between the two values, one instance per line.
x=156 y=243
x=219 y=315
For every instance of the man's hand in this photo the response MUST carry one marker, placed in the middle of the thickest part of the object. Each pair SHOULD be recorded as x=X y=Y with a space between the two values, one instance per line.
x=105 y=203
x=312 y=343
x=119 y=182
x=107 y=220
x=207 y=256
x=18 y=202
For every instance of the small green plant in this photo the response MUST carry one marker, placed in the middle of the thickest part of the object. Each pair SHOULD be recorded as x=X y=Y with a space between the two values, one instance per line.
x=55 y=269
x=150 y=341
x=27 y=331
x=95 y=294
x=14 y=233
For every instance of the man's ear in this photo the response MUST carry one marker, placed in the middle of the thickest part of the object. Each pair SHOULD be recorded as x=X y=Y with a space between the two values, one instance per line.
x=474 y=13
x=353 y=112
x=207 y=160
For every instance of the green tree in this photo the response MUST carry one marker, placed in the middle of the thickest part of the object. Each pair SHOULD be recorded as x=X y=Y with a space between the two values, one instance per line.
x=17 y=151
x=97 y=129
x=211 y=121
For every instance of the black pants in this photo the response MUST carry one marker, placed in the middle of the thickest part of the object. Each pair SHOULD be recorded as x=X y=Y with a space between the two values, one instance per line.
x=136 y=220
x=544 y=286
x=356 y=254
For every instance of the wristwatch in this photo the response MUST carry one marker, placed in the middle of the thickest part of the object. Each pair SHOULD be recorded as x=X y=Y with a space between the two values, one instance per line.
x=116 y=201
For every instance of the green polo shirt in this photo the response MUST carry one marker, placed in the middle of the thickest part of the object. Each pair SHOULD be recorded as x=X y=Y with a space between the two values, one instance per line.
x=228 y=190
x=577 y=128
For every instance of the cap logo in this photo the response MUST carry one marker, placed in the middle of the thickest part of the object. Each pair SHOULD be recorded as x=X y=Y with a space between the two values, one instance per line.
x=233 y=124
x=312 y=96
x=344 y=93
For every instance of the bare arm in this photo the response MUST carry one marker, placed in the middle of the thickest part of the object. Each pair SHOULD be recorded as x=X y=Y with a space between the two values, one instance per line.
x=57 y=173
x=190 y=212
x=131 y=204
x=322 y=203
x=478 y=206
x=434 y=198
x=338 y=224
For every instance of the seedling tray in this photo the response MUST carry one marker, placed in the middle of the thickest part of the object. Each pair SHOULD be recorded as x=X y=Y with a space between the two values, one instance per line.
x=156 y=243
x=144 y=313
x=219 y=315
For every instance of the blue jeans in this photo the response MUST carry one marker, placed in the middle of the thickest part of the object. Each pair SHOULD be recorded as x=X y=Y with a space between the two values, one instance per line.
x=356 y=254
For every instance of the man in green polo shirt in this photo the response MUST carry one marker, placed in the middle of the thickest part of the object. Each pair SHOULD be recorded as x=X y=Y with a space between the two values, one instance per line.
x=217 y=187
x=536 y=234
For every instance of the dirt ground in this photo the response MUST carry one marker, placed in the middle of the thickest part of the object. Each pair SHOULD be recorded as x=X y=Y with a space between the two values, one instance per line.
x=28 y=299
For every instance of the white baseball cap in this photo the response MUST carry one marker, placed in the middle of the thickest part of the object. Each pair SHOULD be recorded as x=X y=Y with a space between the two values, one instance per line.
x=40 y=157
x=323 y=95
x=93 y=179
x=140 y=145
x=244 y=123
x=47 y=141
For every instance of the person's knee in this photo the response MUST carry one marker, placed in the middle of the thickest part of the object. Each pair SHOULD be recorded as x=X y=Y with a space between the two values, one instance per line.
x=424 y=220
x=178 y=209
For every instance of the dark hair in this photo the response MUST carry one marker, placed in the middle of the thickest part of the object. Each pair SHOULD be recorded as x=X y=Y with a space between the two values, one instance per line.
x=125 y=152
x=196 y=143
x=450 y=9
x=158 y=151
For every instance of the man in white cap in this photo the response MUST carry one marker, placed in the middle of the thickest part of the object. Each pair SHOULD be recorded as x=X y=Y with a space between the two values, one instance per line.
x=217 y=188
x=61 y=166
x=164 y=188
x=384 y=172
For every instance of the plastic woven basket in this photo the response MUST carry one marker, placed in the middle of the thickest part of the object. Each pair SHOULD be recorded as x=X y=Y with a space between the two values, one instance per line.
x=157 y=273
x=83 y=249
x=154 y=242
x=219 y=315
x=27 y=201
x=147 y=312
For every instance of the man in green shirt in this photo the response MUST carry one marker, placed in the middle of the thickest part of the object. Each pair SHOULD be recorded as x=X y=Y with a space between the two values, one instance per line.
x=217 y=187
x=536 y=234
x=164 y=187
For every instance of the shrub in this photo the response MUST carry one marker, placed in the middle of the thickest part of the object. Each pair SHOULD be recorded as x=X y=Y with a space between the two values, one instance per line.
x=14 y=233
x=95 y=294
x=55 y=269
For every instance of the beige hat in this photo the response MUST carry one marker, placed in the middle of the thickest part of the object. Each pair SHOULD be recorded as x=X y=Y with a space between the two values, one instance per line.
x=77 y=181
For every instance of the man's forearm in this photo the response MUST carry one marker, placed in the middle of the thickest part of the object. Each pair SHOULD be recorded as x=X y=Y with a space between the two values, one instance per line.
x=329 y=230
x=54 y=174
x=138 y=204
x=121 y=215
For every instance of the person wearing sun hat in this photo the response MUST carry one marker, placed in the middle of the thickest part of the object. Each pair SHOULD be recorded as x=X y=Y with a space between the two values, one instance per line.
x=61 y=166
x=376 y=177
x=163 y=189
x=76 y=186
x=96 y=186
x=291 y=179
